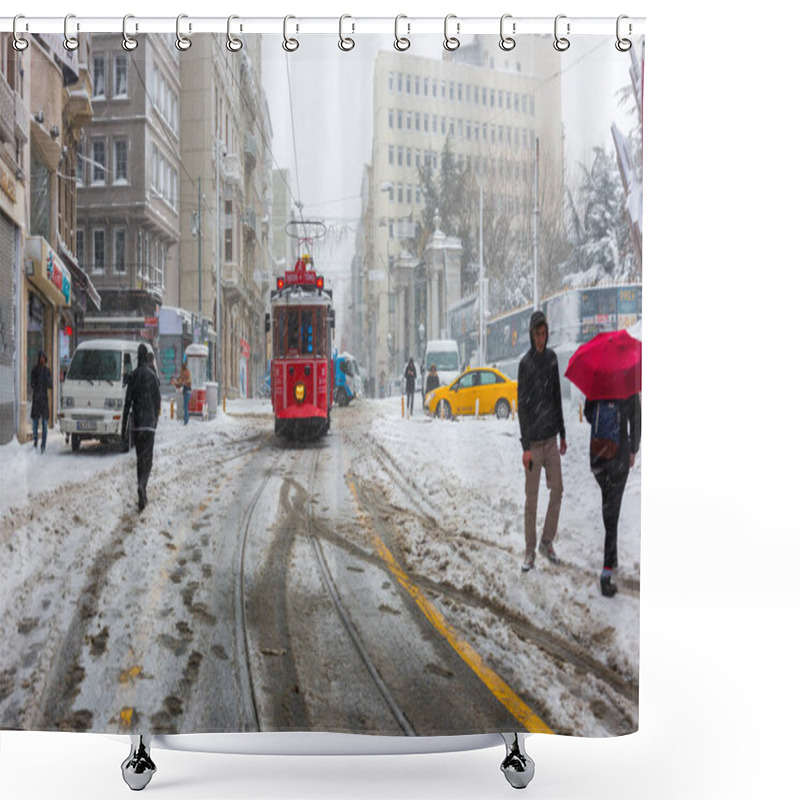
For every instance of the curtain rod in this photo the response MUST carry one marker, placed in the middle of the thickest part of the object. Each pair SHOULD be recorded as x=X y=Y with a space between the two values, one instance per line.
x=350 y=25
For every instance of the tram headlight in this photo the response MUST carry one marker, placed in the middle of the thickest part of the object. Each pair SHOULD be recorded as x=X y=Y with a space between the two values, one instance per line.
x=299 y=392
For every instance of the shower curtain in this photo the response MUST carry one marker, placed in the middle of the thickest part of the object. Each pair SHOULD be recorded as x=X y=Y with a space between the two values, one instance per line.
x=434 y=560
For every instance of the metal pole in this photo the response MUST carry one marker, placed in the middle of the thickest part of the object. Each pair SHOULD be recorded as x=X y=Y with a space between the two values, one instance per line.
x=536 y=227
x=480 y=281
x=199 y=252
x=220 y=390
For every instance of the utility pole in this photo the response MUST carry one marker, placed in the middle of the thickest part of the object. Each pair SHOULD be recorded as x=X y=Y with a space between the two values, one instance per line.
x=536 y=226
x=200 y=252
x=481 y=349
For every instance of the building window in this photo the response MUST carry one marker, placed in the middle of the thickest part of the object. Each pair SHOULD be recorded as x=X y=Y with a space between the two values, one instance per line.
x=408 y=84
x=416 y=121
x=81 y=156
x=121 y=76
x=416 y=85
x=425 y=87
x=399 y=82
x=391 y=155
x=99 y=76
x=120 y=161
x=408 y=156
x=391 y=118
x=98 y=161
x=99 y=251
x=119 y=250
x=391 y=81
x=80 y=247
x=228 y=231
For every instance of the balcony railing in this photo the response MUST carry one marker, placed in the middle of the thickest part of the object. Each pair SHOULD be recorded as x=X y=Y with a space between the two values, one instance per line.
x=13 y=114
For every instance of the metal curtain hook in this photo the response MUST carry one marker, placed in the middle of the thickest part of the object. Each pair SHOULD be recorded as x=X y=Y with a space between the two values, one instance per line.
x=128 y=42
x=507 y=42
x=623 y=45
x=19 y=43
x=346 y=43
x=289 y=44
x=401 y=42
x=233 y=44
x=561 y=43
x=181 y=42
x=70 y=42
x=451 y=42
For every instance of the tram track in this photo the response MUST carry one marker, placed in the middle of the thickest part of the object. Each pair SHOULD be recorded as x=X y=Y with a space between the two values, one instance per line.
x=345 y=618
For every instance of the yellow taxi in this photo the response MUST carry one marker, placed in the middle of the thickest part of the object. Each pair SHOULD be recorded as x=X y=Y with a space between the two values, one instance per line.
x=483 y=391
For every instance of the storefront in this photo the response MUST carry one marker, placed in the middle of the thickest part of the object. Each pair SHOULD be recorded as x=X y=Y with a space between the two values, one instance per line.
x=12 y=193
x=48 y=296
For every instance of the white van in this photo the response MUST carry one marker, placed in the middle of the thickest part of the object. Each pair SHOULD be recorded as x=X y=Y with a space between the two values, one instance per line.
x=93 y=393
x=443 y=353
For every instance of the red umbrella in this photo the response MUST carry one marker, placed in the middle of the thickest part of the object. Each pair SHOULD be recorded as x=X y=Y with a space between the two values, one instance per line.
x=608 y=367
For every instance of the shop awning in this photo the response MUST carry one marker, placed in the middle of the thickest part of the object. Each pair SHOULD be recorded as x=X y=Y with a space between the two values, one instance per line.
x=80 y=278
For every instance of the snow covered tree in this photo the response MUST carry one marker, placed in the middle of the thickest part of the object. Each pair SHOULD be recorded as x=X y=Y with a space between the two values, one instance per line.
x=599 y=234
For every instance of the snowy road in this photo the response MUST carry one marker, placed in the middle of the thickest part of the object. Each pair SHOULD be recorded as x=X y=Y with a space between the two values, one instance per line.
x=366 y=583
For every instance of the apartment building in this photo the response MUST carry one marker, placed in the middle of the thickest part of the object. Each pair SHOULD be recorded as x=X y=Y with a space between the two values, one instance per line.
x=128 y=188
x=489 y=107
x=226 y=187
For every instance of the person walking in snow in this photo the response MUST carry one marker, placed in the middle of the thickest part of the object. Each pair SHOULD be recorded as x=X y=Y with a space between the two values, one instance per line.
x=432 y=381
x=41 y=382
x=411 y=380
x=141 y=411
x=184 y=382
x=541 y=421
x=616 y=433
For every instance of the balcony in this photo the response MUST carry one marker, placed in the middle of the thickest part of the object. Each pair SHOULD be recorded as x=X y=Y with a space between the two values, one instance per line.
x=13 y=114
x=231 y=168
x=249 y=221
x=250 y=151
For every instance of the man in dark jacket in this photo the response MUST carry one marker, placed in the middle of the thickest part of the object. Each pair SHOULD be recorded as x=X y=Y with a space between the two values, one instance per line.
x=432 y=381
x=144 y=397
x=541 y=421
x=41 y=381
x=610 y=460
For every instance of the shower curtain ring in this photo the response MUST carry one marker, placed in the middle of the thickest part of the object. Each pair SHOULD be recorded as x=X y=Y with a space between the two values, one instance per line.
x=70 y=42
x=181 y=42
x=128 y=42
x=289 y=45
x=561 y=43
x=623 y=45
x=507 y=43
x=233 y=44
x=401 y=43
x=346 y=43
x=19 y=44
x=451 y=42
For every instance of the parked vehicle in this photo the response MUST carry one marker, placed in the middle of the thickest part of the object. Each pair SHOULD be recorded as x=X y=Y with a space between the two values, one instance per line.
x=482 y=391
x=93 y=392
x=347 y=379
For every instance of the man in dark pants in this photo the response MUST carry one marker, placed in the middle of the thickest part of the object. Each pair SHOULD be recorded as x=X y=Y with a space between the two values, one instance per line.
x=541 y=421
x=616 y=433
x=144 y=396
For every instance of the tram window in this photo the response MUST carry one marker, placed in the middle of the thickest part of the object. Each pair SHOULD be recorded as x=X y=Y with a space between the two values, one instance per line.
x=307 y=332
x=293 y=332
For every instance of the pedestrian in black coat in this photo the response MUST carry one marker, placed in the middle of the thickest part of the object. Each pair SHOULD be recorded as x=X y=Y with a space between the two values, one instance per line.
x=432 y=381
x=611 y=458
x=411 y=379
x=41 y=382
x=141 y=411
x=541 y=421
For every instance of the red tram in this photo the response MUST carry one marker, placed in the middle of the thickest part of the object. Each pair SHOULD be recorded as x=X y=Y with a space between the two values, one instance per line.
x=302 y=322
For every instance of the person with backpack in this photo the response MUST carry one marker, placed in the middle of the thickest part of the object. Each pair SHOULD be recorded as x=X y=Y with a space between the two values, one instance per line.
x=616 y=433
x=541 y=421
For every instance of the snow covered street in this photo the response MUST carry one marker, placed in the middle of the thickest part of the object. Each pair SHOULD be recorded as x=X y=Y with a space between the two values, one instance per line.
x=213 y=609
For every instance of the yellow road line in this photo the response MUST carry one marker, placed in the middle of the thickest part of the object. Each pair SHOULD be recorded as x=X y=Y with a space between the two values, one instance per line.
x=493 y=682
